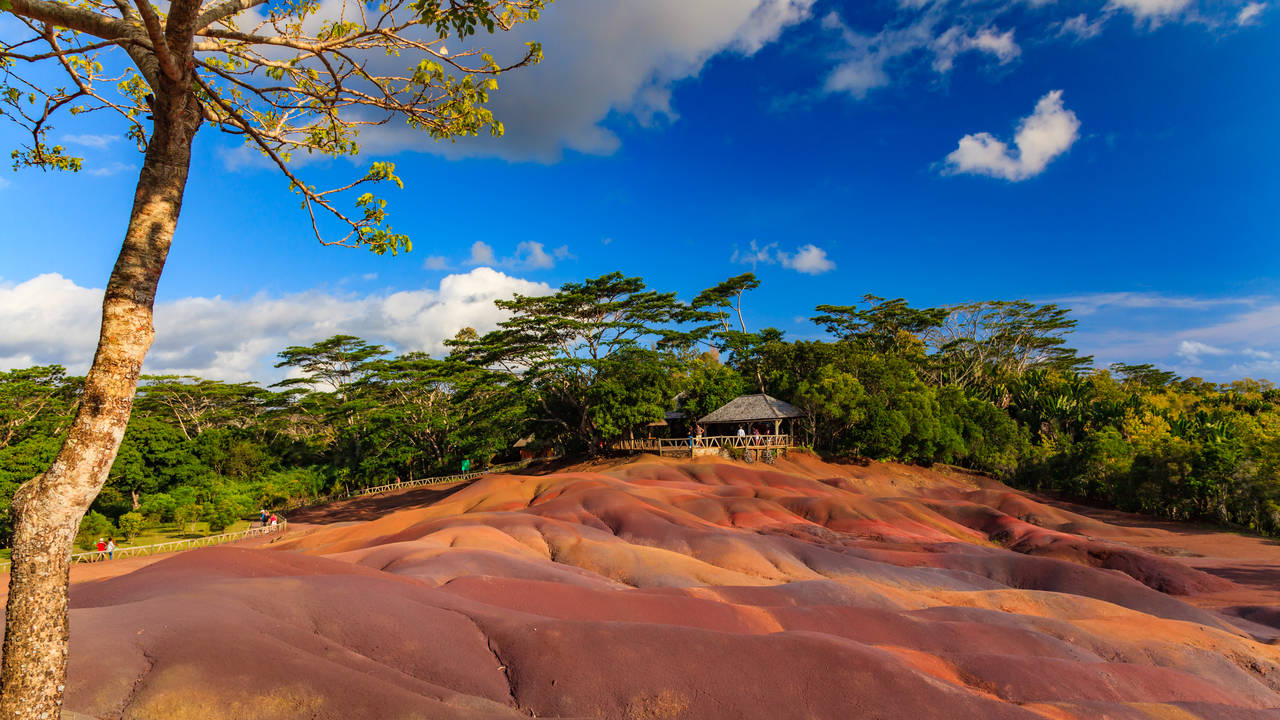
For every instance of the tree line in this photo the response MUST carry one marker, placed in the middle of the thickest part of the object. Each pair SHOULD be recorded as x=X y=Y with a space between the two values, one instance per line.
x=992 y=386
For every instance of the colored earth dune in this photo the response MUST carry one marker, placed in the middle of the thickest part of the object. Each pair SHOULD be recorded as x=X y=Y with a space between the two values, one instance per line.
x=710 y=589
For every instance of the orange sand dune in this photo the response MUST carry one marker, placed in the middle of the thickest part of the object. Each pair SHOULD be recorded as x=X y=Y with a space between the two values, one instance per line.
x=708 y=589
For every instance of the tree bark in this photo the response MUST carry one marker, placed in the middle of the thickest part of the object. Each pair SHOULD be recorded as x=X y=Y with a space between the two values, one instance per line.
x=47 y=509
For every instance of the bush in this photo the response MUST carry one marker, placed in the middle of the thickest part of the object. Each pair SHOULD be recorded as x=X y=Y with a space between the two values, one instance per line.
x=187 y=515
x=94 y=525
x=131 y=523
x=159 y=508
x=221 y=515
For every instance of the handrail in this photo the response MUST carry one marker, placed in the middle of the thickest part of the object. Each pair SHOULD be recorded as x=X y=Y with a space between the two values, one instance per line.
x=168 y=546
x=746 y=442
x=210 y=540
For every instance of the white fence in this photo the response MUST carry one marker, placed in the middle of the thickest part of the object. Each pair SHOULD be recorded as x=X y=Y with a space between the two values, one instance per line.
x=210 y=540
x=167 y=547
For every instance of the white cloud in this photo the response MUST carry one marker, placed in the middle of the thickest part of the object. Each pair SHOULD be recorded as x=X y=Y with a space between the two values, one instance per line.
x=1151 y=11
x=1050 y=131
x=809 y=259
x=481 y=254
x=98 y=142
x=1193 y=350
x=603 y=58
x=868 y=58
x=1091 y=303
x=435 y=262
x=1249 y=13
x=529 y=255
x=49 y=319
x=1218 y=338
x=1080 y=27
x=4 y=183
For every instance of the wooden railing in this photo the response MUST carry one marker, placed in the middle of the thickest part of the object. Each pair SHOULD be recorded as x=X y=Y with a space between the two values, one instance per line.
x=700 y=445
x=168 y=546
x=210 y=540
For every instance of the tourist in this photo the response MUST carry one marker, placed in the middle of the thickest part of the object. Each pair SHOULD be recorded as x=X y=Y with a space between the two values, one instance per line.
x=742 y=431
x=111 y=548
x=701 y=432
x=101 y=547
x=755 y=435
x=273 y=522
x=263 y=515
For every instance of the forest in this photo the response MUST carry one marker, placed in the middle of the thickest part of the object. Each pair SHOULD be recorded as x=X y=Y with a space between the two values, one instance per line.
x=991 y=386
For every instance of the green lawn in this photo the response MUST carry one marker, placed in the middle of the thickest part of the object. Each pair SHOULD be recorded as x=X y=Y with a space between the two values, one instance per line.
x=152 y=536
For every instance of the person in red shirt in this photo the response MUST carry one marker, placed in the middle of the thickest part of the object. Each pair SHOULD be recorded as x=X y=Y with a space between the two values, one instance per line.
x=102 y=548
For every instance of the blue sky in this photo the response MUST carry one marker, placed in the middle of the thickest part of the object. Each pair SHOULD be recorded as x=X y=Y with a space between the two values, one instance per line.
x=1116 y=156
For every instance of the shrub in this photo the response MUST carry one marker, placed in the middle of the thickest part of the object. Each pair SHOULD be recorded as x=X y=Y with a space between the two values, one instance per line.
x=131 y=523
x=94 y=525
x=187 y=515
x=159 y=507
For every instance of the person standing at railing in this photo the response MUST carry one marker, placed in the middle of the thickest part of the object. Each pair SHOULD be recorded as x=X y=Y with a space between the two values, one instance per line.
x=263 y=515
x=111 y=548
x=101 y=547
x=273 y=522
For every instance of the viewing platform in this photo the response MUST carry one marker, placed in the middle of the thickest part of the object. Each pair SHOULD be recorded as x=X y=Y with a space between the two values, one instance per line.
x=745 y=447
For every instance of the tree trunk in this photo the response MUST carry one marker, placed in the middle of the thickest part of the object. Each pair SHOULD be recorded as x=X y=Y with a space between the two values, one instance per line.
x=47 y=509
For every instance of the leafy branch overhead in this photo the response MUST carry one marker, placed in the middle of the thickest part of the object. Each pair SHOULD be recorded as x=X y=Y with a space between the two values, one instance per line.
x=291 y=76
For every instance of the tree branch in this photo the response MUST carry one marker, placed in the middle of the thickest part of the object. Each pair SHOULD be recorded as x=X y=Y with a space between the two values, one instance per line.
x=72 y=18
x=223 y=10
x=151 y=21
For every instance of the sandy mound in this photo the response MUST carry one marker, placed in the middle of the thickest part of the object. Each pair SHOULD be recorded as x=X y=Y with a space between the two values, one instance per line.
x=709 y=589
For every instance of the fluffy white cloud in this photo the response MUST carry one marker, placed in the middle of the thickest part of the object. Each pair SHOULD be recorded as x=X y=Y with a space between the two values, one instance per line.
x=481 y=254
x=1050 y=131
x=808 y=259
x=1151 y=10
x=1193 y=350
x=604 y=57
x=529 y=255
x=49 y=319
x=1249 y=13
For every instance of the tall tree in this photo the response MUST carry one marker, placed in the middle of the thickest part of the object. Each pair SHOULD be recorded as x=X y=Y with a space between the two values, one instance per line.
x=287 y=77
x=720 y=304
x=884 y=326
x=987 y=345
x=197 y=405
x=561 y=346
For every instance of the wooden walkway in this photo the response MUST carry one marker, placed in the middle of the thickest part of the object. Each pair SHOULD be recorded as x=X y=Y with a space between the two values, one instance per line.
x=746 y=447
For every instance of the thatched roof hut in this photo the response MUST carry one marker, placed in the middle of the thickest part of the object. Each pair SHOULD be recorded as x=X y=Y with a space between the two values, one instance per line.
x=753 y=408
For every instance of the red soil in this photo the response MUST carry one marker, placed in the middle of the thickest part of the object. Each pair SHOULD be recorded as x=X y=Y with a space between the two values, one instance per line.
x=707 y=589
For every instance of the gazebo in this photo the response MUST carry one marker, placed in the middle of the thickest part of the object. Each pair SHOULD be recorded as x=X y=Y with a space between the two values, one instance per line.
x=747 y=411
x=751 y=409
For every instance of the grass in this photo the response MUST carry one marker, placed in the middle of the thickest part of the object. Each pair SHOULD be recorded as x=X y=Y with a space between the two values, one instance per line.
x=167 y=533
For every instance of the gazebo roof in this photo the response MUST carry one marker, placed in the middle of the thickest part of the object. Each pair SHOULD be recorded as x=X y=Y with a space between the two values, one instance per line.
x=751 y=408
